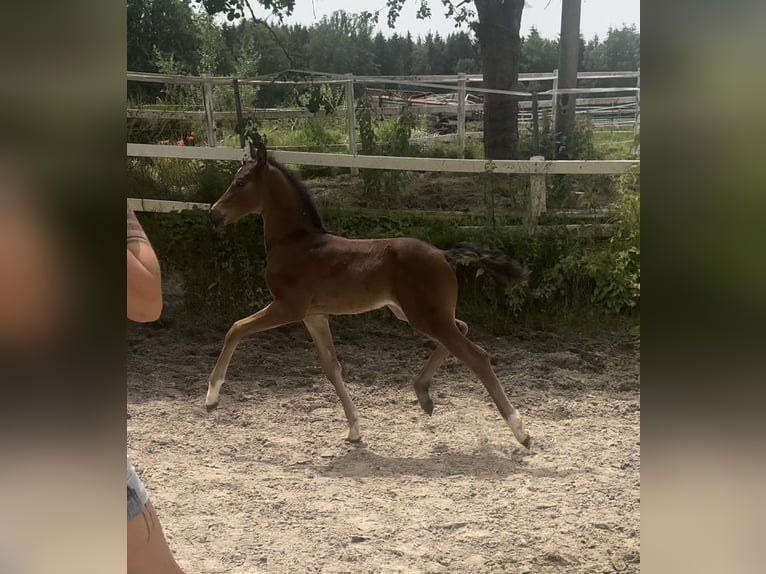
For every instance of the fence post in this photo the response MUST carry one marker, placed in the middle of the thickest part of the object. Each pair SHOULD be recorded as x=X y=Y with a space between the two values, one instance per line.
x=207 y=95
x=535 y=124
x=238 y=108
x=461 y=115
x=636 y=148
x=489 y=199
x=351 y=119
x=536 y=192
x=554 y=106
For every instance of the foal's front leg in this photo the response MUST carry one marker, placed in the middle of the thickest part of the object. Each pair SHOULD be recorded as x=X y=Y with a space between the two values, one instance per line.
x=273 y=315
x=318 y=327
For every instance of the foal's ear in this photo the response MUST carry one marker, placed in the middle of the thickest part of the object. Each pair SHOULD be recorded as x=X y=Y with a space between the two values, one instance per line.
x=258 y=153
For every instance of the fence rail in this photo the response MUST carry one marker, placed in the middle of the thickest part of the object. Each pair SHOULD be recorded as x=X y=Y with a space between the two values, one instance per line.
x=319 y=77
x=506 y=166
x=536 y=168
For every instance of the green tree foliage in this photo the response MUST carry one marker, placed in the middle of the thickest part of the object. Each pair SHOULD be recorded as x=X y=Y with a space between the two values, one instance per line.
x=341 y=43
x=437 y=54
x=538 y=54
x=621 y=50
x=158 y=27
x=214 y=56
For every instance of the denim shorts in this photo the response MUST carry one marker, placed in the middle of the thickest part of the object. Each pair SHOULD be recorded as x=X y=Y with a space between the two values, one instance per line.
x=137 y=495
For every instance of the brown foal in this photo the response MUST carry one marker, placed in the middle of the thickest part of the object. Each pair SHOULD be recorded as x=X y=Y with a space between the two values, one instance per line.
x=312 y=274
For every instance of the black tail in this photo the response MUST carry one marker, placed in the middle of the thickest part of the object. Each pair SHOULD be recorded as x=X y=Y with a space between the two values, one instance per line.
x=493 y=260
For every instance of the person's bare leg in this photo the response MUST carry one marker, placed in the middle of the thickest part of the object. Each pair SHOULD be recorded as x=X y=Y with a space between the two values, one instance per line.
x=148 y=551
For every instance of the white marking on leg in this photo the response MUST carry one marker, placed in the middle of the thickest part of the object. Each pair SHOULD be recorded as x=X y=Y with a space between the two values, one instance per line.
x=212 y=392
x=514 y=421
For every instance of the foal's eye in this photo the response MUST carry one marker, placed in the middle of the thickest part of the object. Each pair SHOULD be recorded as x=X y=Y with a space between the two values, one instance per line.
x=240 y=183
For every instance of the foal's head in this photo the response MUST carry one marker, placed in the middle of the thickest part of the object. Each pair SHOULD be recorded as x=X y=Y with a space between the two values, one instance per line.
x=245 y=193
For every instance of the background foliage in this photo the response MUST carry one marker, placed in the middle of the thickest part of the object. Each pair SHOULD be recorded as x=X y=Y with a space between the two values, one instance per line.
x=575 y=274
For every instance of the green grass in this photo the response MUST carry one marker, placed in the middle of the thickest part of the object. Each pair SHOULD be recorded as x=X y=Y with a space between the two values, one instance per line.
x=613 y=145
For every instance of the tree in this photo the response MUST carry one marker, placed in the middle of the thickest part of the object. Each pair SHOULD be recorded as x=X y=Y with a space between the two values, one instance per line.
x=213 y=54
x=379 y=51
x=460 y=49
x=622 y=49
x=437 y=54
x=497 y=30
x=341 y=43
x=569 y=49
x=496 y=24
x=421 y=65
x=158 y=27
x=538 y=54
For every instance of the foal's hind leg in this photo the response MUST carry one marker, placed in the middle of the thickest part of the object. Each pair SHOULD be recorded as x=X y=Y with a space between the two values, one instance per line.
x=319 y=328
x=422 y=381
x=476 y=359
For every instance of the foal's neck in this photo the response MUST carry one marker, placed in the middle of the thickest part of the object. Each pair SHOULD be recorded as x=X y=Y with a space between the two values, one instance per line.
x=285 y=213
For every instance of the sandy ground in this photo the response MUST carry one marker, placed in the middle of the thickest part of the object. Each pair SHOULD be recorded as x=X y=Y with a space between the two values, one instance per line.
x=267 y=483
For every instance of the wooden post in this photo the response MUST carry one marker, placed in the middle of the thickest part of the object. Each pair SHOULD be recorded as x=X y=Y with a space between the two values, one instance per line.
x=636 y=148
x=207 y=93
x=461 y=115
x=535 y=124
x=351 y=119
x=489 y=200
x=238 y=108
x=554 y=106
x=536 y=192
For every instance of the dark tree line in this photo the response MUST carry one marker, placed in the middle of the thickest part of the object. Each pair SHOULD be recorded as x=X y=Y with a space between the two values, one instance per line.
x=341 y=43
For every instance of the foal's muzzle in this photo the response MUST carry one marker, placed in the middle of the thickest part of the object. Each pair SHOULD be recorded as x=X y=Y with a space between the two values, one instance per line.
x=216 y=217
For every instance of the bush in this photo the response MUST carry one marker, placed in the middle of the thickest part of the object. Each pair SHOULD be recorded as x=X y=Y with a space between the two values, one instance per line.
x=179 y=179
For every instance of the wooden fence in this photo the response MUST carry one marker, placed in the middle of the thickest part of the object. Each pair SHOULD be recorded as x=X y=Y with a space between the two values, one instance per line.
x=604 y=104
x=537 y=168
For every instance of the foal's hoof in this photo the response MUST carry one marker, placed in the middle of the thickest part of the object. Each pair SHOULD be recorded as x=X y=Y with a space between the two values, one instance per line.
x=427 y=405
x=212 y=407
x=527 y=444
x=354 y=437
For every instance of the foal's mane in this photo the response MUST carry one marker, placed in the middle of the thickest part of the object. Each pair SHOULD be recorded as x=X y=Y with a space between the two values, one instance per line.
x=303 y=193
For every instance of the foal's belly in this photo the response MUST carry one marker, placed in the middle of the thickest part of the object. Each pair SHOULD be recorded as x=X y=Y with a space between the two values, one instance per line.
x=338 y=276
x=346 y=294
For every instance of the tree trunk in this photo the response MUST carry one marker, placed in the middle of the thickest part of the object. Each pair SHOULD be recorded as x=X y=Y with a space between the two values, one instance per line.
x=569 y=47
x=500 y=45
